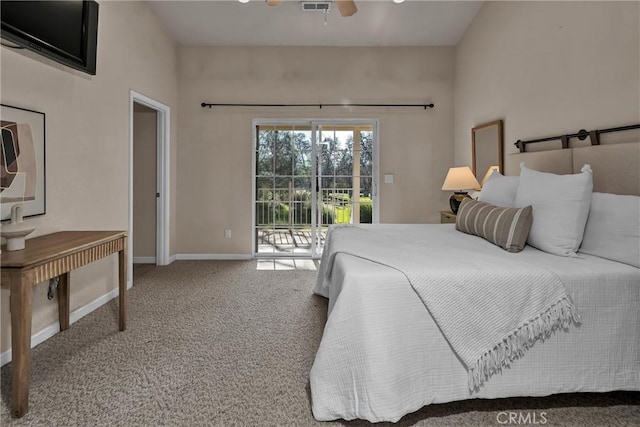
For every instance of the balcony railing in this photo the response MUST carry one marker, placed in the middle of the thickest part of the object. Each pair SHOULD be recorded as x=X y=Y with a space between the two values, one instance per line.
x=283 y=217
x=288 y=208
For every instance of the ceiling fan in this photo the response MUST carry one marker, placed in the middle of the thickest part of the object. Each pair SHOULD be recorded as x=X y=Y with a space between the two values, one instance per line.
x=346 y=7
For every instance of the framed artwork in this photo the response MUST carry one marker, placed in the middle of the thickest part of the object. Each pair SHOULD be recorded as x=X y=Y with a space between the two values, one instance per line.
x=22 y=161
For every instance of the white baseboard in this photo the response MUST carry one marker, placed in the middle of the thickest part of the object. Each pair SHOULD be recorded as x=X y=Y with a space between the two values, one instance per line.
x=54 y=328
x=144 y=260
x=172 y=258
x=230 y=257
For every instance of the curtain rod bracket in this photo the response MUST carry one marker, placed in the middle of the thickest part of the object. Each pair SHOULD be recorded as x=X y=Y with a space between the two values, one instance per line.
x=582 y=134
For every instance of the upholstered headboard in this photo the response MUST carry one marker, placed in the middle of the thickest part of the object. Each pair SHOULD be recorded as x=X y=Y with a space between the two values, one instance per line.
x=616 y=167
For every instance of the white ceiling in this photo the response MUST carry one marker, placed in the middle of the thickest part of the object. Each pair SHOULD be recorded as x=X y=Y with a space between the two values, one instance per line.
x=377 y=23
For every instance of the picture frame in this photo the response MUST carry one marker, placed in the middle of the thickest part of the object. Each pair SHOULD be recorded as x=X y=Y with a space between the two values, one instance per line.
x=22 y=161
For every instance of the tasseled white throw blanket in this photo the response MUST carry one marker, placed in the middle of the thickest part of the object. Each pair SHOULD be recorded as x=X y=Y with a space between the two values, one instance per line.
x=489 y=312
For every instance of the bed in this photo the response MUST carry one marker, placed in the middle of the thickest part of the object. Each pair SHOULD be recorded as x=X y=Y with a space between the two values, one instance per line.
x=382 y=355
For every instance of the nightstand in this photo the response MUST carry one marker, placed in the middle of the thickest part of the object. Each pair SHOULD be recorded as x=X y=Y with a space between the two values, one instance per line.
x=447 y=217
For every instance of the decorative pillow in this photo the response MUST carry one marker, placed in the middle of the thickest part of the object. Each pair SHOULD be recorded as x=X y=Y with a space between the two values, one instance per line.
x=504 y=227
x=613 y=228
x=499 y=190
x=560 y=205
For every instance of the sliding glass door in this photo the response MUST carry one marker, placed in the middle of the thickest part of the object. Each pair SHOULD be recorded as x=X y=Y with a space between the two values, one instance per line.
x=309 y=175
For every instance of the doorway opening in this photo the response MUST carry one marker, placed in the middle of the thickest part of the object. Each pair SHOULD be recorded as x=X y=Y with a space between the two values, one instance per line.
x=144 y=184
x=148 y=182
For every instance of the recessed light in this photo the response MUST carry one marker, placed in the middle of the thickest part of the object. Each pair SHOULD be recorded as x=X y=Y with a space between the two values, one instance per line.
x=247 y=1
x=398 y=1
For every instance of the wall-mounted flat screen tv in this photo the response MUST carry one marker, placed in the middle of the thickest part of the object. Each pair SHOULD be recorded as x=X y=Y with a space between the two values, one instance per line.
x=65 y=31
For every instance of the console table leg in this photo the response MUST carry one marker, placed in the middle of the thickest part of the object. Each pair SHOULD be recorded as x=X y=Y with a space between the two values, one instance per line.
x=21 y=297
x=63 y=301
x=122 y=275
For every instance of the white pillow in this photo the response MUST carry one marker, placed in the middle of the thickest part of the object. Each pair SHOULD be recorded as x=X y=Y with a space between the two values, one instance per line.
x=561 y=206
x=499 y=190
x=613 y=228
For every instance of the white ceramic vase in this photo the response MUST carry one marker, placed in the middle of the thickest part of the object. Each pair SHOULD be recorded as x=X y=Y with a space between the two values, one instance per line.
x=16 y=231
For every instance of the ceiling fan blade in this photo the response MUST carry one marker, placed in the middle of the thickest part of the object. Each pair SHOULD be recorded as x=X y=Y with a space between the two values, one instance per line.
x=346 y=7
x=273 y=2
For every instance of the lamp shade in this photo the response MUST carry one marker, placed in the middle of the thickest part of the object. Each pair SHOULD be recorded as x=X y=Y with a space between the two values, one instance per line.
x=489 y=172
x=460 y=178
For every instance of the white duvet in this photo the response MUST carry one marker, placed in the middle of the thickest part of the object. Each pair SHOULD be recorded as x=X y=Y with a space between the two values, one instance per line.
x=489 y=311
x=382 y=355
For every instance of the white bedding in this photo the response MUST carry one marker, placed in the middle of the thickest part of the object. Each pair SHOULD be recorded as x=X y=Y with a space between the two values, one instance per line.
x=489 y=311
x=382 y=355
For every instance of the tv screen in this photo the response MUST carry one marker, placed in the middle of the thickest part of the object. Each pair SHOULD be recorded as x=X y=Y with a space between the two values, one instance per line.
x=65 y=31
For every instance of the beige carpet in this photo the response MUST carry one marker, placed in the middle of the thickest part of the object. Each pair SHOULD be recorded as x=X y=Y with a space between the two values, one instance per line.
x=224 y=344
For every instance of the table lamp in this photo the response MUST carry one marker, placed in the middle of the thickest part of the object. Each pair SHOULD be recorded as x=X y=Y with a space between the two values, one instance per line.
x=458 y=180
x=489 y=172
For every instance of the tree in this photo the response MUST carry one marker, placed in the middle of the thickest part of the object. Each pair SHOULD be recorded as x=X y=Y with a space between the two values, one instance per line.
x=366 y=162
x=282 y=154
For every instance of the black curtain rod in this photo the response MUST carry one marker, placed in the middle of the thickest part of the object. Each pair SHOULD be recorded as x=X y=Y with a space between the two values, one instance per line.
x=581 y=135
x=425 y=106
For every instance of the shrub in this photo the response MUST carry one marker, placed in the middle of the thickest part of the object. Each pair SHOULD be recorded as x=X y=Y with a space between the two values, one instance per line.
x=328 y=215
x=282 y=213
x=366 y=213
x=302 y=207
x=270 y=214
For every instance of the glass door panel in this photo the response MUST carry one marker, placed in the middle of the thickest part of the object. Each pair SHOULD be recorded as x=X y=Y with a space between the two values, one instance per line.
x=308 y=176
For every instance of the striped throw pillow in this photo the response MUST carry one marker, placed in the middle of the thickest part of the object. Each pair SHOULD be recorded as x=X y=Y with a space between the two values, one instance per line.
x=505 y=227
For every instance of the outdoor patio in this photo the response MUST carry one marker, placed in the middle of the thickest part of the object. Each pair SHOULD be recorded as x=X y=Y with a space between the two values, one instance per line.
x=286 y=241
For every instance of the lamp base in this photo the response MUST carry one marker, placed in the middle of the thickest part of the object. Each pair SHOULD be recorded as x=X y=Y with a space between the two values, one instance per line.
x=456 y=199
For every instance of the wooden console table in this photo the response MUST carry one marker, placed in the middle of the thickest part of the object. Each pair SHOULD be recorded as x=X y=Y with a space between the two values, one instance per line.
x=44 y=258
